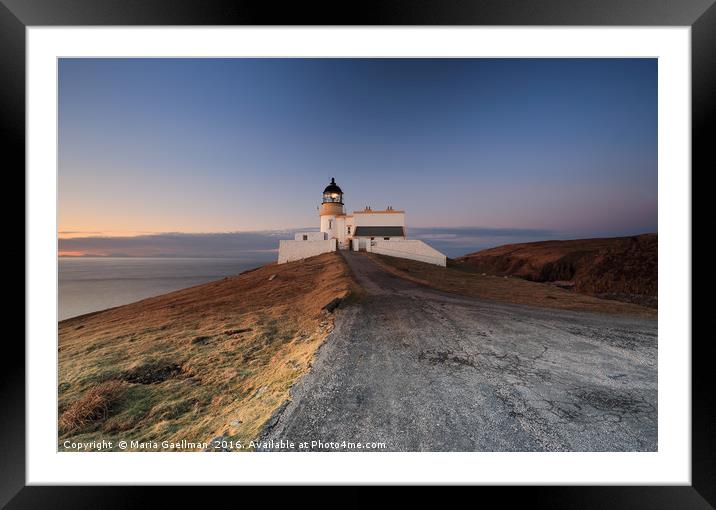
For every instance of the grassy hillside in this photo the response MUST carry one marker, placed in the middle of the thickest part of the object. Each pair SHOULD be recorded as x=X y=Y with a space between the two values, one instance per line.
x=621 y=268
x=457 y=280
x=215 y=359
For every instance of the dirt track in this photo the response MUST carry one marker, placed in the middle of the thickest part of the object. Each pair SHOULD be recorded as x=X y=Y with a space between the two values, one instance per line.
x=422 y=370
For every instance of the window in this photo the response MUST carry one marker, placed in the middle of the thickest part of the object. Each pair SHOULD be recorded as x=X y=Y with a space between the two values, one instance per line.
x=349 y=229
x=386 y=239
x=330 y=224
x=305 y=237
x=372 y=238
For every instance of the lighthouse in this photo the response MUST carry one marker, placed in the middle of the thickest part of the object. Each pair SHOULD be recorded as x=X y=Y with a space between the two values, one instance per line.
x=333 y=215
x=377 y=231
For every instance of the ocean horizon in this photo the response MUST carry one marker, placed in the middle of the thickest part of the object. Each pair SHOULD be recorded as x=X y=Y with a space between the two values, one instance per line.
x=91 y=284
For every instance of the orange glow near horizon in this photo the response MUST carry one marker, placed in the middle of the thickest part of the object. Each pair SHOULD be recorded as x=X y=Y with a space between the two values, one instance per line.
x=73 y=234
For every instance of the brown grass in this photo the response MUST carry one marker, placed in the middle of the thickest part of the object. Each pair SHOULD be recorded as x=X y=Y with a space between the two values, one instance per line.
x=624 y=268
x=500 y=288
x=91 y=407
x=213 y=359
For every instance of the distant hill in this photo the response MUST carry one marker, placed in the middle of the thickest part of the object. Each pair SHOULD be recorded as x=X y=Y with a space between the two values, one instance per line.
x=620 y=268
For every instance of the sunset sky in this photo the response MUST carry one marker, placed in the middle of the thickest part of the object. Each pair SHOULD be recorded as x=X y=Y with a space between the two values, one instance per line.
x=551 y=147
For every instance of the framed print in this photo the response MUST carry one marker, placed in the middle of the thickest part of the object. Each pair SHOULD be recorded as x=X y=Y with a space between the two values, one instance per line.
x=436 y=244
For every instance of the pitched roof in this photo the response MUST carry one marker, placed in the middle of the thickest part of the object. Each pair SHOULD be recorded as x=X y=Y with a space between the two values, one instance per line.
x=379 y=232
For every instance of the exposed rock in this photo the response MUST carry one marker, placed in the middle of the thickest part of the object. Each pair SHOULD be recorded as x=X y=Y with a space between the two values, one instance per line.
x=201 y=340
x=151 y=373
x=332 y=305
x=237 y=331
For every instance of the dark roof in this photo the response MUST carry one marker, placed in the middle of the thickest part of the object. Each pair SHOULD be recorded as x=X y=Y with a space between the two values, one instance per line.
x=379 y=232
x=333 y=187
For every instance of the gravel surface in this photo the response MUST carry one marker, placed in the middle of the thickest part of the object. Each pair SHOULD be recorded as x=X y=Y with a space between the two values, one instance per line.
x=421 y=370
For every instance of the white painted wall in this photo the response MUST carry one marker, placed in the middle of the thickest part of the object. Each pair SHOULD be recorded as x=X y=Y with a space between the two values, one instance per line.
x=336 y=227
x=340 y=230
x=288 y=251
x=310 y=236
x=328 y=225
x=412 y=249
x=378 y=219
x=380 y=238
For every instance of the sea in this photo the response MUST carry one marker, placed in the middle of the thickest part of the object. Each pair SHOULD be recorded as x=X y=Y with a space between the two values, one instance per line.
x=90 y=284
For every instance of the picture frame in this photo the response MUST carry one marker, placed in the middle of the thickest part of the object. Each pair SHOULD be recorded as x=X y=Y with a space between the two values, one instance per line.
x=700 y=15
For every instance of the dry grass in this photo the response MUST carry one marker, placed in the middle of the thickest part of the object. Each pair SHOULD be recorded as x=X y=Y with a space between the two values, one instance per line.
x=215 y=359
x=625 y=268
x=499 y=288
x=92 y=406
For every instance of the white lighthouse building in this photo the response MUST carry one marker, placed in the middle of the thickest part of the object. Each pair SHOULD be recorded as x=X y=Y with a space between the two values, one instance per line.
x=376 y=231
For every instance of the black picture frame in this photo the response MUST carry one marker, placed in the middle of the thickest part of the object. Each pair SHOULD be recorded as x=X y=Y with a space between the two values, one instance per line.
x=700 y=15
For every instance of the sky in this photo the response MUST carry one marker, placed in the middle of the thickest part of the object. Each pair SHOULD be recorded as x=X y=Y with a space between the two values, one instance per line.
x=476 y=151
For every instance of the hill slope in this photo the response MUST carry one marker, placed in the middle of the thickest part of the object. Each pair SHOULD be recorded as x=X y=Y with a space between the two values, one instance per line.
x=457 y=280
x=215 y=359
x=621 y=268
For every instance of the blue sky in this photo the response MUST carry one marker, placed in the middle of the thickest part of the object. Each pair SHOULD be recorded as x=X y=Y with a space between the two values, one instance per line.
x=560 y=146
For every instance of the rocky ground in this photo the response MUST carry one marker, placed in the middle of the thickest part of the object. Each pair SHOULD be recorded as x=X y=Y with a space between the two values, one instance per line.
x=410 y=368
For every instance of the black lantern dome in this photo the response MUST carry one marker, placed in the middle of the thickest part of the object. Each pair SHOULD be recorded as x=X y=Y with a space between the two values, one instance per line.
x=333 y=193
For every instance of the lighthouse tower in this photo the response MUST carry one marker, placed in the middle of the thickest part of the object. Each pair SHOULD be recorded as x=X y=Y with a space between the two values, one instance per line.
x=333 y=215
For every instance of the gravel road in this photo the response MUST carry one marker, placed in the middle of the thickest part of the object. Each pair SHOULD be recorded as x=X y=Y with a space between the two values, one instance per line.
x=422 y=370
